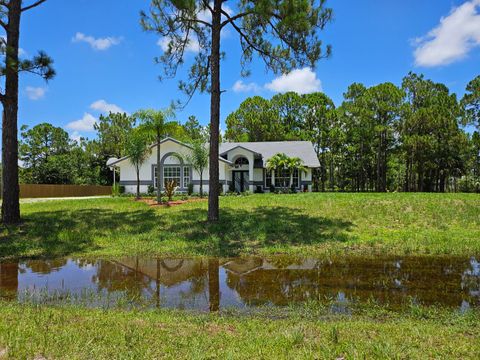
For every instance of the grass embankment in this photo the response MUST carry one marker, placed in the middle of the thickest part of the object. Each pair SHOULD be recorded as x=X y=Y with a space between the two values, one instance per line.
x=76 y=333
x=300 y=224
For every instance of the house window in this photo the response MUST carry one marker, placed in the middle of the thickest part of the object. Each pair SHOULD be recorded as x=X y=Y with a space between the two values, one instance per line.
x=171 y=173
x=241 y=161
x=268 y=178
x=186 y=176
x=282 y=178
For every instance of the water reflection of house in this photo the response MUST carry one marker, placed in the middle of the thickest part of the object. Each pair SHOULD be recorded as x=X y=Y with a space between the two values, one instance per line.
x=243 y=266
x=168 y=272
x=200 y=275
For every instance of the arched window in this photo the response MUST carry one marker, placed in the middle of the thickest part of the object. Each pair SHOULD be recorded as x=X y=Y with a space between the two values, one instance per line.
x=241 y=161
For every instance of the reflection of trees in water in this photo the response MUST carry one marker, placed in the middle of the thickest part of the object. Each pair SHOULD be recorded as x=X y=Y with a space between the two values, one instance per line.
x=275 y=286
x=449 y=281
x=283 y=262
x=9 y=280
x=428 y=280
x=44 y=266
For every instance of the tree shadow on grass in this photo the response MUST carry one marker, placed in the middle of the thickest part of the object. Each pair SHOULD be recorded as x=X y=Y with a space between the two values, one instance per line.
x=240 y=230
x=65 y=232
x=62 y=232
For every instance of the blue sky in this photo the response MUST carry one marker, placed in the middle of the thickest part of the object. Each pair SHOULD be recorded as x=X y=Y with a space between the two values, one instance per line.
x=104 y=61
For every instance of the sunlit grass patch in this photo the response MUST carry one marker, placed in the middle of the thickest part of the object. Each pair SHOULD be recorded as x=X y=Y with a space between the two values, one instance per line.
x=301 y=224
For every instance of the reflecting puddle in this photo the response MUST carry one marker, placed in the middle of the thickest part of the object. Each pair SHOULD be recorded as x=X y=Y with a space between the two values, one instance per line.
x=213 y=284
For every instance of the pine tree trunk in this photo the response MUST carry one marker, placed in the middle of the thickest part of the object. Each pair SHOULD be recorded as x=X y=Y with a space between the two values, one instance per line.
x=323 y=170
x=11 y=190
x=332 y=174
x=214 y=183
x=384 y=162
x=379 y=164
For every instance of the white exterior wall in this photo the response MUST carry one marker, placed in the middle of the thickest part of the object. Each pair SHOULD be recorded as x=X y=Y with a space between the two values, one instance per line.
x=307 y=176
x=129 y=178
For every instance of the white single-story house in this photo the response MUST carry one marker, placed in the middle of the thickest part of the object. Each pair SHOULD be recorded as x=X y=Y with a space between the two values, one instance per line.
x=242 y=166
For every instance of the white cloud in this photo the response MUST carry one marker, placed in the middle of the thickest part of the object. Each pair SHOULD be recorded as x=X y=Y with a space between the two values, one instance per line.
x=455 y=36
x=35 y=93
x=192 y=46
x=99 y=43
x=75 y=136
x=302 y=81
x=84 y=124
x=104 y=107
x=240 y=86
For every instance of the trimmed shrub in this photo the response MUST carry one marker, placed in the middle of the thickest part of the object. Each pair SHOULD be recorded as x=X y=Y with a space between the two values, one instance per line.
x=151 y=190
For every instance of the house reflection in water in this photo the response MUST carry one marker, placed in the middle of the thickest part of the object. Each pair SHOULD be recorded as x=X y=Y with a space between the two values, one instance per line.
x=180 y=283
x=213 y=284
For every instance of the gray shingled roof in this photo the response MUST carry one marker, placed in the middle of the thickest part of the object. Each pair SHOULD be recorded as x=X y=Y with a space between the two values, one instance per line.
x=302 y=149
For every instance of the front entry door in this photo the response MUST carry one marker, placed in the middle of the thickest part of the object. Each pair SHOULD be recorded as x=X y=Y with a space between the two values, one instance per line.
x=240 y=179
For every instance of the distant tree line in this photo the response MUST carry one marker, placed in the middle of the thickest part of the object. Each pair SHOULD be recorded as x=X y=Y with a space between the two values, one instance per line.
x=381 y=138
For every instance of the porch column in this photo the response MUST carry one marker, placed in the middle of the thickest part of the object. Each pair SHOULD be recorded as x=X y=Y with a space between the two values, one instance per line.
x=250 y=173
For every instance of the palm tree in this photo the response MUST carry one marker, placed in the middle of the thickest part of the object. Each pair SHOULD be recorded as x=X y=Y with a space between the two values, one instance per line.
x=277 y=161
x=293 y=163
x=137 y=150
x=199 y=157
x=156 y=124
x=284 y=162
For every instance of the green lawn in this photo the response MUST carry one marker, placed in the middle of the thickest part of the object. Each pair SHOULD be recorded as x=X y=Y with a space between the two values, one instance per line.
x=300 y=224
x=28 y=332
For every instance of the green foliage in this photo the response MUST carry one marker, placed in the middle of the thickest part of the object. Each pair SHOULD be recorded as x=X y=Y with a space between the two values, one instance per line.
x=50 y=157
x=284 y=162
x=41 y=64
x=471 y=103
x=194 y=131
x=151 y=190
x=112 y=134
x=157 y=124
